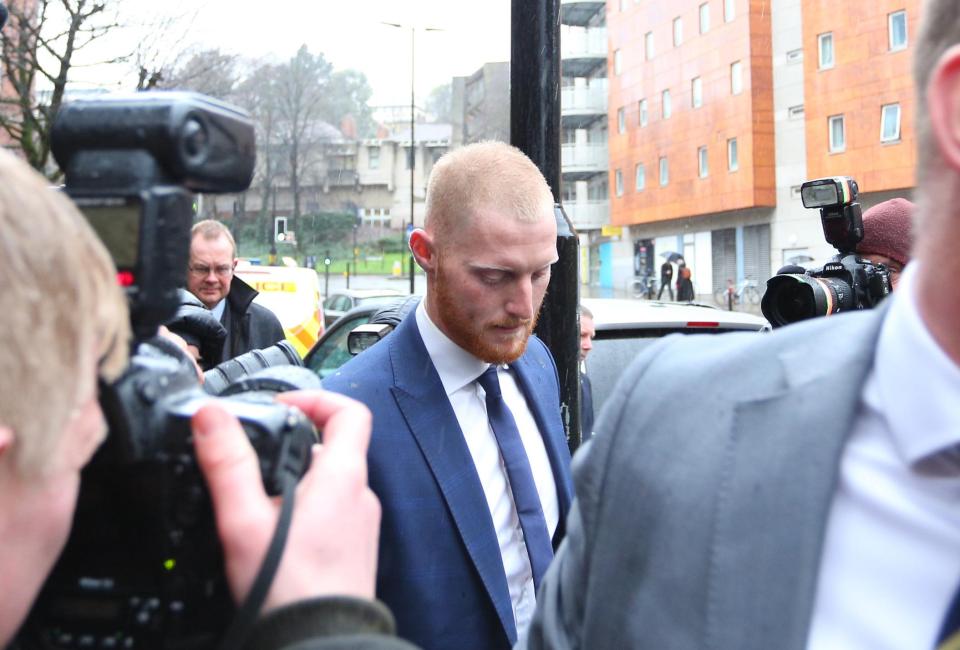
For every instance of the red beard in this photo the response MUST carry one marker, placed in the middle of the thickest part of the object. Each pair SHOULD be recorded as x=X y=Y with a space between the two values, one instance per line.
x=479 y=339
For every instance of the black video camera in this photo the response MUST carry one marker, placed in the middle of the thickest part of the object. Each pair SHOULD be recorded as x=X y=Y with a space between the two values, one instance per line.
x=844 y=283
x=143 y=566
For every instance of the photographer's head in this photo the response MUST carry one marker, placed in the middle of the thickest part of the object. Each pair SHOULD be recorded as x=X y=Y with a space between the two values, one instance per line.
x=888 y=235
x=213 y=257
x=65 y=322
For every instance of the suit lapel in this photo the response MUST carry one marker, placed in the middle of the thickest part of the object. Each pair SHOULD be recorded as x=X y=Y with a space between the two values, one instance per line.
x=531 y=375
x=420 y=396
x=768 y=536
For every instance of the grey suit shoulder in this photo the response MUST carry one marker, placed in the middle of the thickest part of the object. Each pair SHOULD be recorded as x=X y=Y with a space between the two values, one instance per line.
x=699 y=523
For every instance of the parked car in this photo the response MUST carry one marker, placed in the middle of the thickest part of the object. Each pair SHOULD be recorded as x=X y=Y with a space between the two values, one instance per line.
x=625 y=327
x=339 y=303
x=331 y=350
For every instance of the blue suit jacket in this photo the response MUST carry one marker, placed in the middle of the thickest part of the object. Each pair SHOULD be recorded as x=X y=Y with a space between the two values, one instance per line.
x=440 y=569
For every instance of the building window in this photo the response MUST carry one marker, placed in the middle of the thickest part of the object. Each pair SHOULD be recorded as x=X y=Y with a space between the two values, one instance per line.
x=641 y=177
x=664 y=172
x=838 y=135
x=618 y=182
x=890 y=123
x=704 y=18
x=795 y=56
x=897 y=25
x=736 y=78
x=665 y=107
x=617 y=62
x=648 y=45
x=621 y=121
x=795 y=112
x=703 y=165
x=373 y=157
x=825 y=49
x=696 y=92
x=733 y=155
x=644 y=115
x=677 y=31
x=729 y=11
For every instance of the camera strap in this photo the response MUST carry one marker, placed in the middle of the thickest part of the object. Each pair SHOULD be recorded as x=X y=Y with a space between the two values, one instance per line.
x=248 y=613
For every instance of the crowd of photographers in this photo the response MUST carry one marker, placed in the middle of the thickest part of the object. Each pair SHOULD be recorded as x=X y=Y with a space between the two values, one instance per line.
x=808 y=500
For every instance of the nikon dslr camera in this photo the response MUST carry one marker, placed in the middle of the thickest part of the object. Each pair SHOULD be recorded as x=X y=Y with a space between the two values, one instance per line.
x=143 y=567
x=844 y=283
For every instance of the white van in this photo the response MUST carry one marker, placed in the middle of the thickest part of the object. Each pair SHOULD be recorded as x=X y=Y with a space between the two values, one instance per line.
x=293 y=294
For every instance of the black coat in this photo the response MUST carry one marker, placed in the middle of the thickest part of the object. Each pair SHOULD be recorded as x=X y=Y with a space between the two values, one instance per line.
x=249 y=326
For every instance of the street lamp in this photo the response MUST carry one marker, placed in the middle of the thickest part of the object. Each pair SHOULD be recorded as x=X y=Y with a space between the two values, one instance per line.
x=413 y=152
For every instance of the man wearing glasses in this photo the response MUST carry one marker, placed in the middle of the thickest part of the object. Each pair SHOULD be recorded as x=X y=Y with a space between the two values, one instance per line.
x=213 y=257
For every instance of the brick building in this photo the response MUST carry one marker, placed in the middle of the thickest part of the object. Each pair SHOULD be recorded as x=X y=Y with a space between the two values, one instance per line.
x=720 y=109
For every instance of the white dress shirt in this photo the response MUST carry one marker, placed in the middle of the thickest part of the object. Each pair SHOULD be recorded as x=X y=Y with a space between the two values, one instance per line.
x=459 y=370
x=891 y=556
x=218 y=309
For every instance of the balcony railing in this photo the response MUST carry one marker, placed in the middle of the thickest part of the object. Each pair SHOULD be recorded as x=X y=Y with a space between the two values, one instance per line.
x=588 y=215
x=579 y=12
x=579 y=43
x=592 y=99
x=584 y=159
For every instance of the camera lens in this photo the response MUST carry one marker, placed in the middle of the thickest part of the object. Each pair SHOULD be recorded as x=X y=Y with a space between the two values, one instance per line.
x=793 y=297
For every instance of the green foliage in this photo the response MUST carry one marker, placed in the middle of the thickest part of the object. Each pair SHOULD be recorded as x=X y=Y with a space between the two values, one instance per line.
x=325 y=230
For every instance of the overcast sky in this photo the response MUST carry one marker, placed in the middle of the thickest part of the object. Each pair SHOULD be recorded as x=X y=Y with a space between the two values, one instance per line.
x=348 y=32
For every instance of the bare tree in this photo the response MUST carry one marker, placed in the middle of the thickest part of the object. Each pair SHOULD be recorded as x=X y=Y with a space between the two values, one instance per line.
x=258 y=94
x=302 y=104
x=210 y=72
x=40 y=45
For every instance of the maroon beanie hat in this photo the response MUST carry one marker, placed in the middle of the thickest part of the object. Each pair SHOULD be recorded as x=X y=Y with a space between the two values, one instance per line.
x=888 y=229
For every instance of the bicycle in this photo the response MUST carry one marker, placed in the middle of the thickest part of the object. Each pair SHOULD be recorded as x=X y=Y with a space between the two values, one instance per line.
x=746 y=293
x=643 y=287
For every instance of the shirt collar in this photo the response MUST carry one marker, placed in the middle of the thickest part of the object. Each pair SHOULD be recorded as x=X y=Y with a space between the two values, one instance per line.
x=456 y=366
x=218 y=309
x=916 y=386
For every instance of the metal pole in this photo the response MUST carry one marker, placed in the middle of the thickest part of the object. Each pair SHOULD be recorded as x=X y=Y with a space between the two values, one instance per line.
x=413 y=151
x=535 y=130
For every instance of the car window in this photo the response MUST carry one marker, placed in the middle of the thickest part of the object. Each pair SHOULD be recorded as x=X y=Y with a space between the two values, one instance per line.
x=333 y=352
x=329 y=303
x=376 y=300
x=614 y=350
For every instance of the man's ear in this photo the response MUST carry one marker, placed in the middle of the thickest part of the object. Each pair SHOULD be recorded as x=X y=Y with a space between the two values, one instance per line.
x=943 y=102
x=422 y=247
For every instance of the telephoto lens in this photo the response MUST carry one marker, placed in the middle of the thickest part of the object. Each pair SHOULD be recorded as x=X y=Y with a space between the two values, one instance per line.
x=796 y=296
x=216 y=380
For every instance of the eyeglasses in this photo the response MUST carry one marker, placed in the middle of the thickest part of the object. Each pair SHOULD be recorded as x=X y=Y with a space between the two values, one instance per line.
x=200 y=271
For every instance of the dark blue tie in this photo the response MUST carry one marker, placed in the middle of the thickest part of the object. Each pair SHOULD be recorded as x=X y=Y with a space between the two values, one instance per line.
x=525 y=494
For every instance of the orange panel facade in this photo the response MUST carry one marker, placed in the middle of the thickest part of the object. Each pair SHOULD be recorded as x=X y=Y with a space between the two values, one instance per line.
x=722 y=115
x=870 y=69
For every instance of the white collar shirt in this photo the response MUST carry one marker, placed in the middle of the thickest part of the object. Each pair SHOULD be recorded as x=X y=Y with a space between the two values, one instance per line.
x=458 y=371
x=891 y=555
x=218 y=309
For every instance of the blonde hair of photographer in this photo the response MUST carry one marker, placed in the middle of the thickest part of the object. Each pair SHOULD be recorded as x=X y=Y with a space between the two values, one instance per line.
x=60 y=303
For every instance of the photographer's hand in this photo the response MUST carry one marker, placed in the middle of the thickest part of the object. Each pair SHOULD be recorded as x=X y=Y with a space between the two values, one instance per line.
x=332 y=544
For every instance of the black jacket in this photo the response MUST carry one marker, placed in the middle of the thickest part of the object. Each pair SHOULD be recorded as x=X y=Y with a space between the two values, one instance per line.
x=249 y=326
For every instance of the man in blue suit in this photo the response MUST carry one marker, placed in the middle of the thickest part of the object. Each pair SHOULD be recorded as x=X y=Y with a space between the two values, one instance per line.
x=468 y=454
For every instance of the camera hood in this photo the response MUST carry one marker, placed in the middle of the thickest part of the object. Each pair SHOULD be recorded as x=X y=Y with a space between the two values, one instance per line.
x=198 y=142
